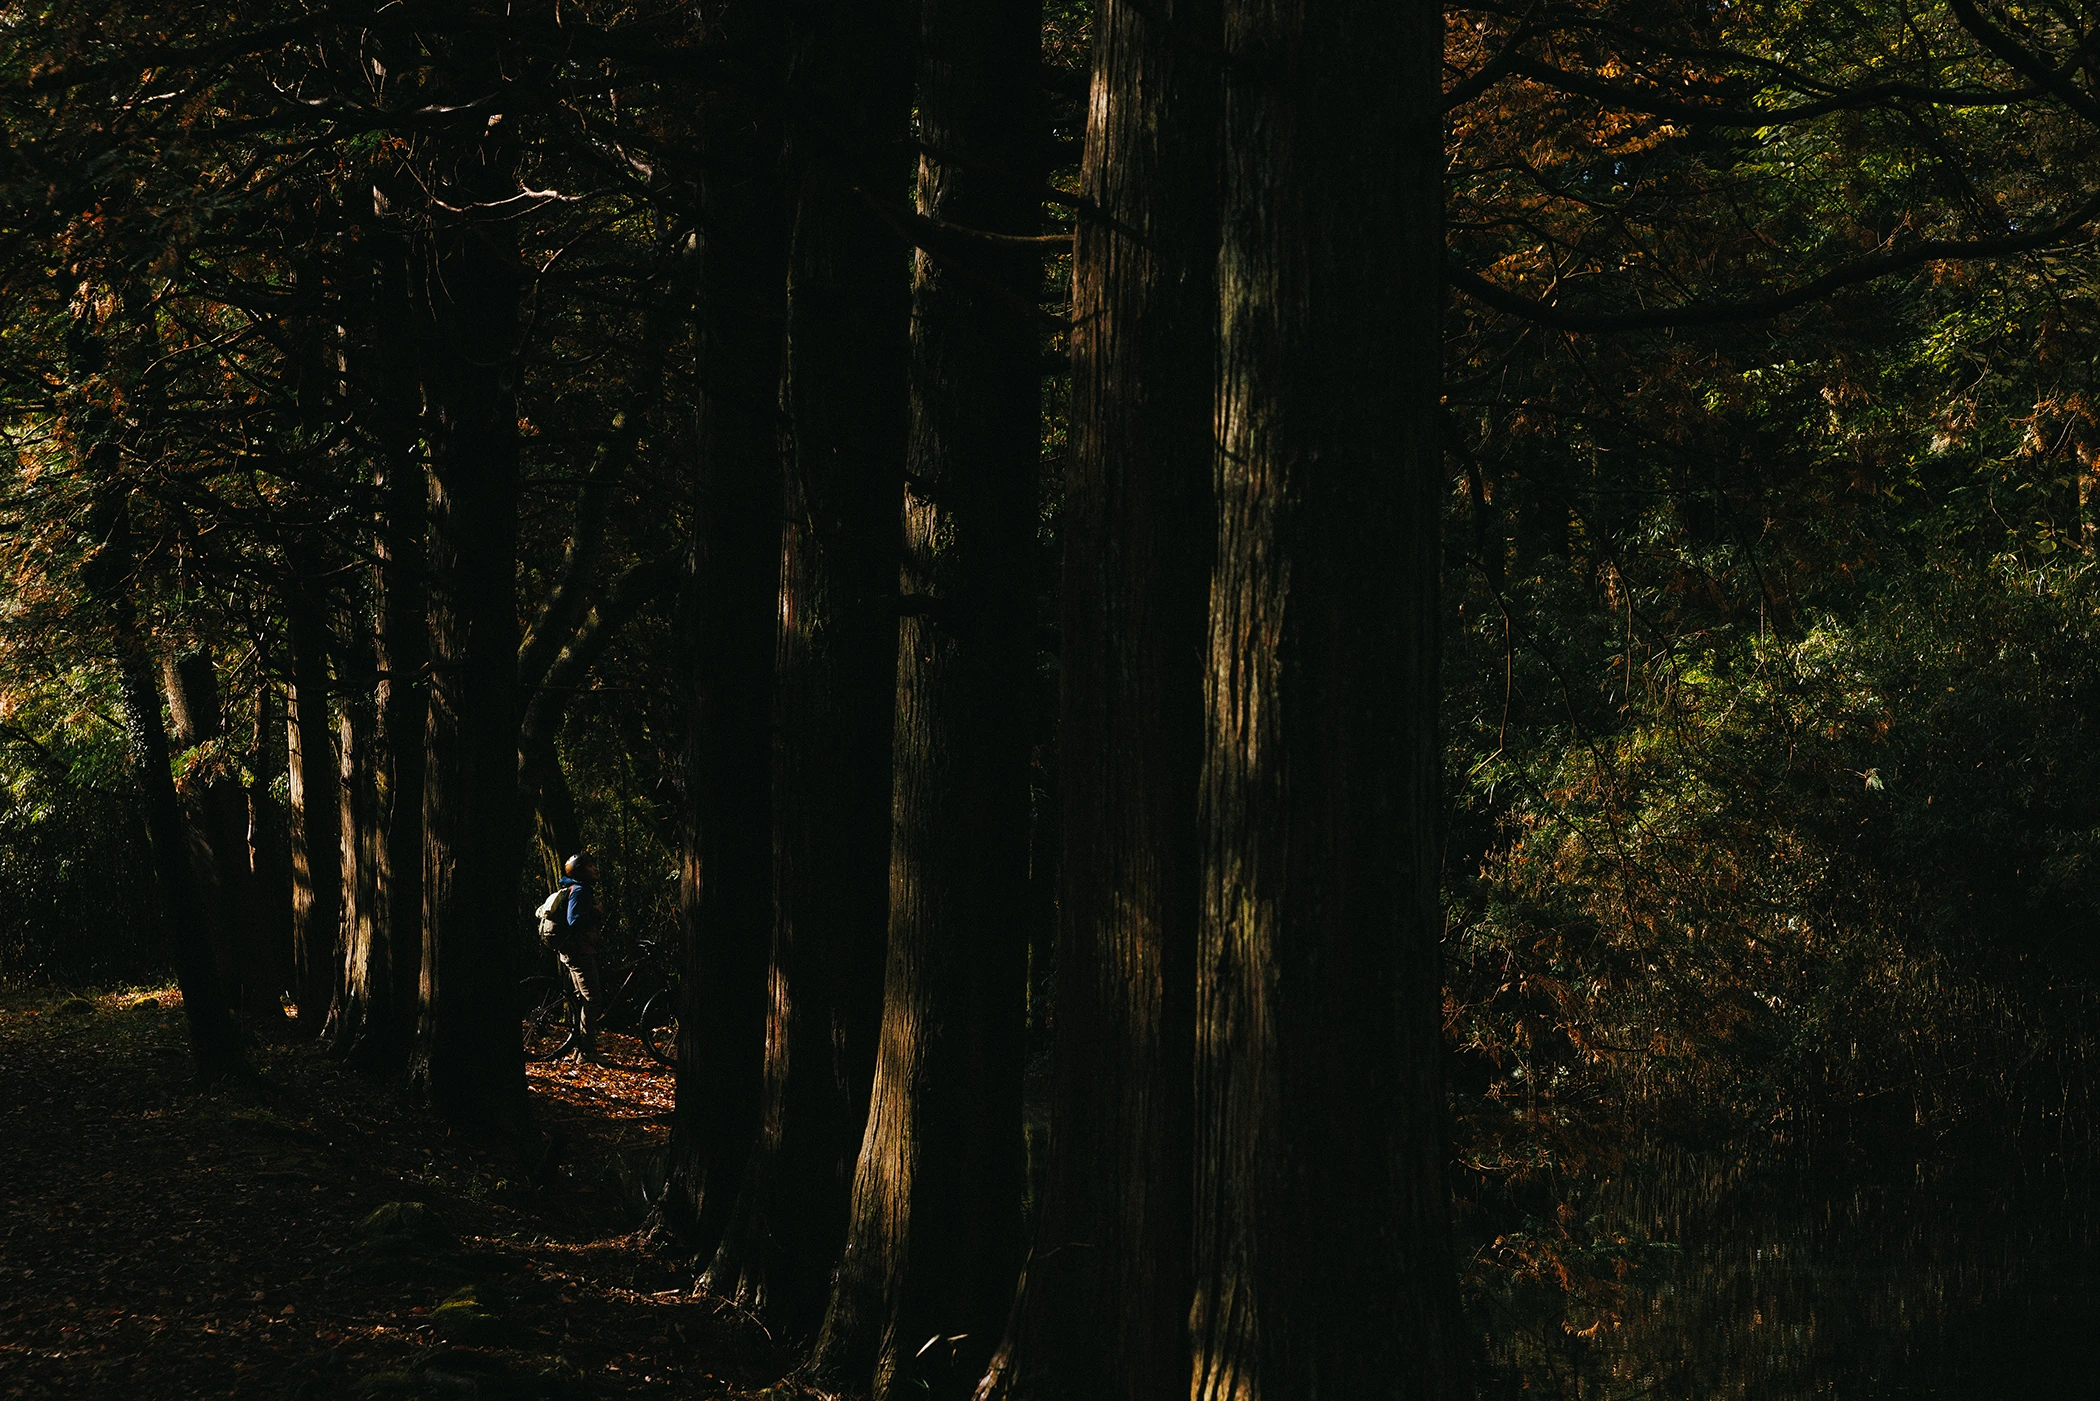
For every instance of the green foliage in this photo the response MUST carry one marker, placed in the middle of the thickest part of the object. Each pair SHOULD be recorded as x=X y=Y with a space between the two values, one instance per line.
x=77 y=902
x=1771 y=677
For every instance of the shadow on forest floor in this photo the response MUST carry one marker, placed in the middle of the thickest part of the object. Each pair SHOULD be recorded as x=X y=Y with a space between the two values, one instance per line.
x=156 y=1241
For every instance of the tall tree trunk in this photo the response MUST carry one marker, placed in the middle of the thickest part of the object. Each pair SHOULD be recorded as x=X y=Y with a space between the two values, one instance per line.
x=269 y=843
x=402 y=715
x=1323 y=1264
x=933 y=1236
x=314 y=792
x=1103 y=1309
x=215 y=1042
x=371 y=1024
x=844 y=395
x=468 y=1055
x=726 y=622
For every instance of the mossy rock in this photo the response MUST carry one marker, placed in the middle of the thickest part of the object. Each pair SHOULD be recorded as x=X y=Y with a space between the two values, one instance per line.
x=463 y=1318
x=76 y=1007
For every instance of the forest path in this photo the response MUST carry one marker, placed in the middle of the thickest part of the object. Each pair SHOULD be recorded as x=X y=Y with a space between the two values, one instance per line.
x=156 y=1241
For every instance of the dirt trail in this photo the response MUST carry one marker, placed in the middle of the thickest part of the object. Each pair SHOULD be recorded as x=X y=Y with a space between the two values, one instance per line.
x=160 y=1242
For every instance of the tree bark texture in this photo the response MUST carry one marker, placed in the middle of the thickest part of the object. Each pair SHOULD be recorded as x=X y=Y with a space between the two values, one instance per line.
x=933 y=1234
x=1323 y=1264
x=726 y=622
x=313 y=790
x=215 y=1042
x=402 y=712
x=468 y=1054
x=372 y=1024
x=1103 y=1308
x=269 y=842
x=843 y=393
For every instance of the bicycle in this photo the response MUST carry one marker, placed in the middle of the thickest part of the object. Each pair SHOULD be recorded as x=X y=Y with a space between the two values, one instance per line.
x=642 y=998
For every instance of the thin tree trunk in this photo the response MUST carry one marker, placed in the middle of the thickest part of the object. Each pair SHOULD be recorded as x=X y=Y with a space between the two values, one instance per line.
x=269 y=845
x=844 y=394
x=933 y=1236
x=1323 y=1263
x=371 y=1025
x=215 y=1042
x=1103 y=1309
x=726 y=624
x=314 y=792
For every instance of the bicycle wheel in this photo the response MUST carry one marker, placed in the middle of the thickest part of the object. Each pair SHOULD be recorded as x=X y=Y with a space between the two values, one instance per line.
x=550 y=1025
x=660 y=1026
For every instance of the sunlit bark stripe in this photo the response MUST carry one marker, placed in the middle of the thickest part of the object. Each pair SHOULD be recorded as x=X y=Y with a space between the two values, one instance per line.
x=843 y=400
x=934 y=1227
x=1103 y=1307
x=1322 y=1252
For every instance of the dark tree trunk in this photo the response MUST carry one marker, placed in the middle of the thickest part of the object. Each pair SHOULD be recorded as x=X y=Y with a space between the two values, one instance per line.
x=214 y=1038
x=933 y=1229
x=314 y=791
x=844 y=395
x=468 y=1056
x=726 y=624
x=1323 y=1262
x=216 y=807
x=371 y=1024
x=540 y=776
x=402 y=715
x=1103 y=1309
x=269 y=843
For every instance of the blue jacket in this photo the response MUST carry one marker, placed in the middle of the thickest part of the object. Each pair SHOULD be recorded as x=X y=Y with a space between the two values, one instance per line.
x=582 y=916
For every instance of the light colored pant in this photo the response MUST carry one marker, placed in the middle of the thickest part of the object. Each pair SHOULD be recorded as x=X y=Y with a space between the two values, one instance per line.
x=582 y=969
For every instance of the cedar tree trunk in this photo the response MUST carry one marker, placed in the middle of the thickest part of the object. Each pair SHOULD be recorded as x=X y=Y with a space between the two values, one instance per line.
x=726 y=621
x=844 y=395
x=316 y=818
x=1323 y=1263
x=933 y=1230
x=372 y=1023
x=402 y=712
x=269 y=843
x=468 y=1055
x=1103 y=1308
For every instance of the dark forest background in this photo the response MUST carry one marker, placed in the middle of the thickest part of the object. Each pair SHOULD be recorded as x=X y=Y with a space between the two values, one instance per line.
x=871 y=473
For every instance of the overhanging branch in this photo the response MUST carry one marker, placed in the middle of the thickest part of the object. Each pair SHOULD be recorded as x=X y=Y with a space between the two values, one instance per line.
x=1736 y=312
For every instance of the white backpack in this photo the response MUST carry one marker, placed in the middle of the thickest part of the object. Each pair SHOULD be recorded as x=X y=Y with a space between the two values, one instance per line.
x=554 y=927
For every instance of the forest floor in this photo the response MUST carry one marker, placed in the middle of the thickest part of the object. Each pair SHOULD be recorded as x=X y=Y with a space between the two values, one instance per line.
x=309 y=1236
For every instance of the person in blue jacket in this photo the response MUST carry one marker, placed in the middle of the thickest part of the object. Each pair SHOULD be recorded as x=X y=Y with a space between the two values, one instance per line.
x=578 y=948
